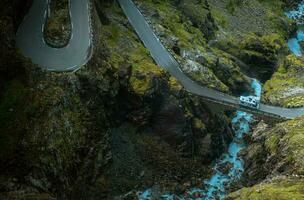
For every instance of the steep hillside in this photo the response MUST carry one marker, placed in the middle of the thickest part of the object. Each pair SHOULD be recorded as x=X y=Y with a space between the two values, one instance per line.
x=274 y=158
x=283 y=188
x=118 y=124
x=286 y=86
x=122 y=124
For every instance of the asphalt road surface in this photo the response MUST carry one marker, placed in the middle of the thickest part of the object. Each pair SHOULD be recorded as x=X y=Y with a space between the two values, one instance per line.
x=164 y=59
x=75 y=54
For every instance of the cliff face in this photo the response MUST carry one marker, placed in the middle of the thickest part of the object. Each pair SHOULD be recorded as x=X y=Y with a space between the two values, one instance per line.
x=275 y=151
x=254 y=33
x=186 y=28
x=274 y=163
x=121 y=123
x=118 y=123
x=286 y=87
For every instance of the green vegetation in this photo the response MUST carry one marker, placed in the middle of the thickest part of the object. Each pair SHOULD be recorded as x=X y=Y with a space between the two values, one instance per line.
x=261 y=53
x=275 y=7
x=58 y=27
x=281 y=189
x=286 y=86
x=65 y=121
x=219 y=17
x=285 y=142
x=275 y=151
x=255 y=16
x=181 y=23
x=198 y=124
x=253 y=44
x=174 y=84
x=189 y=36
x=144 y=70
x=232 y=5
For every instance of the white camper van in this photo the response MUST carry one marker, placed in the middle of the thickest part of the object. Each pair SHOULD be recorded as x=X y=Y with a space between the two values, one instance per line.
x=250 y=101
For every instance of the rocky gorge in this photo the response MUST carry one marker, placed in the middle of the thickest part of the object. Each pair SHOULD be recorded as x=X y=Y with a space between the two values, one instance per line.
x=121 y=124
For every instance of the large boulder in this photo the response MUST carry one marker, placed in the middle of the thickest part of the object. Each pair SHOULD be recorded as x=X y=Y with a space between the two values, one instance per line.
x=199 y=14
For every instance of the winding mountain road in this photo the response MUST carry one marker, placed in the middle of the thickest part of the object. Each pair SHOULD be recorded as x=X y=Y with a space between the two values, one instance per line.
x=164 y=59
x=30 y=37
x=77 y=52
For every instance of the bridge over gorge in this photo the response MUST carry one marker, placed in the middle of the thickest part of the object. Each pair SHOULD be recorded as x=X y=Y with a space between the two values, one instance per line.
x=30 y=41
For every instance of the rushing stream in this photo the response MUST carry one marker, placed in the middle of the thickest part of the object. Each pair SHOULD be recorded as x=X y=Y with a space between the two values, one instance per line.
x=230 y=160
x=294 y=43
x=220 y=180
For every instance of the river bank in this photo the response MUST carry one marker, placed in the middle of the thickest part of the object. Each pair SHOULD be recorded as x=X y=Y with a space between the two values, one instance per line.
x=228 y=168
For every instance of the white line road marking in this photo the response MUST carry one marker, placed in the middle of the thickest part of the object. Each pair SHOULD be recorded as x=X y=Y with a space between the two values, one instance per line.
x=43 y=16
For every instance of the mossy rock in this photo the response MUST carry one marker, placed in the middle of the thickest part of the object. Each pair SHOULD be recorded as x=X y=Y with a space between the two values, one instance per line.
x=58 y=27
x=260 y=53
x=282 y=189
x=200 y=16
x=282 y=149
x=286 y=86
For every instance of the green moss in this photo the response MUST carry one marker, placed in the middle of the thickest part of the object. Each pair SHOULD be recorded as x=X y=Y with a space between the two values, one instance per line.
x=285 y=143
x=282 y=189
x=112 y=33
x=143 y=70
x=274 y=6
x=189 y=36
x=69 y=135
x=273 y=41
x=272 y=143
x=142 y=61
x=60 y=131
x=198 y=124
x=256 y=16
x=219 y=17
x=253 y=45
x=58 y=26
x=278 y=90
x=143 y=67
x=232 y=5
x=207 y=78
x=295 y=101
x=174 y=84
